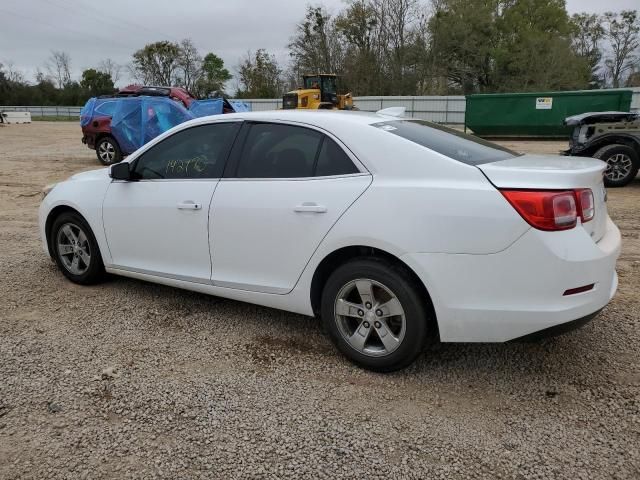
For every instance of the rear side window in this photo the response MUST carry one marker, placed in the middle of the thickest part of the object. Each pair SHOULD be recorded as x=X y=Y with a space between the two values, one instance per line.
x=447 y=141
x=333 y=161
x=197 y=152
x=273 y=150
x=106 y=108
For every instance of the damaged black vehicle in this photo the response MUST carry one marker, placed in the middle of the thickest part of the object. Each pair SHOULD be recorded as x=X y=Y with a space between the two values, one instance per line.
x=613 y=137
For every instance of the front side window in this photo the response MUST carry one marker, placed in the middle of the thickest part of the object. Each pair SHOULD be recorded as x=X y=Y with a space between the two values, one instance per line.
x=312 y=82
x=197 y=152
x=447 y=141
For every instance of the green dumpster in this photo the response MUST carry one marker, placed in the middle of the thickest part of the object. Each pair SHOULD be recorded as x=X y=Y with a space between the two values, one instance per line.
x=537 y=114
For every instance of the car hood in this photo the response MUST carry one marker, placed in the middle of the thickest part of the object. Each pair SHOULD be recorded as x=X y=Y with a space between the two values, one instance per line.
x=597 y=117
x=91 y=174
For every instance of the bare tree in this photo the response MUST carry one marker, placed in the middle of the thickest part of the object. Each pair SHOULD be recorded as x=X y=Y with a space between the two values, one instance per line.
x=112 y=68
x=190 y=62
x=316 y=46
x=59 y=67
x=398 y=22
x=12 y=74
x=41 y=77
x=622 y=30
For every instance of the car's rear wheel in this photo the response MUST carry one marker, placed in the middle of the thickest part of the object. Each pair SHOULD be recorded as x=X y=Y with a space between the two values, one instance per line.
x=622 y=164
x=108 y=151
x=75 y=249
x=374 y=314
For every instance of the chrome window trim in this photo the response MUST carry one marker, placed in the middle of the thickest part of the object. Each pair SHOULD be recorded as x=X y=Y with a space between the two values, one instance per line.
x=295 y=179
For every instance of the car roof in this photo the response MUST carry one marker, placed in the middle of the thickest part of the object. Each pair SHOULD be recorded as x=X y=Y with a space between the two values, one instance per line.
x=320 y=118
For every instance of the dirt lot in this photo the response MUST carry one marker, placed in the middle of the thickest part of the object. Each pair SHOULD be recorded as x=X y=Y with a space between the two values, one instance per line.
x=129 y=379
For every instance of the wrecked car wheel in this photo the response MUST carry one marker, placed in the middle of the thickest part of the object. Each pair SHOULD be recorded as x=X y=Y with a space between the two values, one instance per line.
x=622 y=164
x=108 y=151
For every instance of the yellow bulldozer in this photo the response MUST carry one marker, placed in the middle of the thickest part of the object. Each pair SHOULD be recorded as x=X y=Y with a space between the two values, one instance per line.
x=318 y=93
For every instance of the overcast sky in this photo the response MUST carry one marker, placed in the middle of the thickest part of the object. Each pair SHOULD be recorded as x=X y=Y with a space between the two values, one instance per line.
x=91 y=31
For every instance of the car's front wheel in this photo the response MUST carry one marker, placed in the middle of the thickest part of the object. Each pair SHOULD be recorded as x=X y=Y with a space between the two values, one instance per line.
x=75 y=249
x=374 y=314
x=622 y=164
x=108 y=151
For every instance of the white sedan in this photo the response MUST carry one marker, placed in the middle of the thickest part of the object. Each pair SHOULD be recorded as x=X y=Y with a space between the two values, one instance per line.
x=394 y=231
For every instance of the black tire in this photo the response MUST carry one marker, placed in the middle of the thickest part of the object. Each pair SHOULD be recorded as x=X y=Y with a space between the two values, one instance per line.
x=59 y=241
x=612 y=177
x=398 y=282
x=108 y=151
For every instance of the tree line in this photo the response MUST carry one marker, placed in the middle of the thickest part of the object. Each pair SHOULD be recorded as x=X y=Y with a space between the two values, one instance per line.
x=415 y=47
x=158 y=63
x=381 y=47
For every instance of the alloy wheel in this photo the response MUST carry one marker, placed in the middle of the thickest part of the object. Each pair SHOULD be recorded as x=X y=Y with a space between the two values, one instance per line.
x=619 y=166
x=73 y=248
x=370 y=317
x=107 y=152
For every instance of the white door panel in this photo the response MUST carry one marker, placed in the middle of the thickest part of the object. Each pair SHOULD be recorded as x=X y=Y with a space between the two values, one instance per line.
x=263 y=232
x=160 y=227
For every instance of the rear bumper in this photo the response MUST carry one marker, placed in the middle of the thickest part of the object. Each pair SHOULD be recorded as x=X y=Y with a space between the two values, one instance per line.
x=556 y=330
x=519 y=291
x=89 y=141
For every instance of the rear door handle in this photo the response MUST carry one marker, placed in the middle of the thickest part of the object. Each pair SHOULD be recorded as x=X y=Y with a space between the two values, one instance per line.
x=189 y=205
x=310 y=207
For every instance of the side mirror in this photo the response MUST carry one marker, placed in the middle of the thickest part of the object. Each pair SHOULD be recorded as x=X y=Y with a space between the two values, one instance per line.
x=120 y=171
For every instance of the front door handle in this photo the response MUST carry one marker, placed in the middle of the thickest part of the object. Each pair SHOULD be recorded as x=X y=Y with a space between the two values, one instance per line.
x=189 y=205
x=310 y=207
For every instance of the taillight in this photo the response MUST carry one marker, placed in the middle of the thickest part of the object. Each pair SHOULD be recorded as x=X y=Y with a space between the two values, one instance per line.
x=546 y=209
x=585 y=204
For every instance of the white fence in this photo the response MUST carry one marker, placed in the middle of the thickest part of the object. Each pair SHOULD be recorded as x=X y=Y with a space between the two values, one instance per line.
x=441 y=109
x=449 y=109
x=41 y=111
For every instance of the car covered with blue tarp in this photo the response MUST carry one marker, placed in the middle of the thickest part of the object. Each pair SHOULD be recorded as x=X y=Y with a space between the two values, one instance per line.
x=117 y=126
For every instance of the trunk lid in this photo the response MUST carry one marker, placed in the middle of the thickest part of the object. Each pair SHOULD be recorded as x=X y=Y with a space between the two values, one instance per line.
x=546 y=172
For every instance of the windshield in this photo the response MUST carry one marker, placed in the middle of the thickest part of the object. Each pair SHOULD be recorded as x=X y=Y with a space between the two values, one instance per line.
x=453 y=143
x=312 y=82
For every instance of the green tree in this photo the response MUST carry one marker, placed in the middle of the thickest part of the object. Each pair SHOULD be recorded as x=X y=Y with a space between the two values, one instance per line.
x=5 y=86
x=357 y=25
x=505 y=45
x=464 y=37
x=534 y=50
x=213 y=76
x=71 y=94
x=260 y=76
x=96 y=83
x=157 y=63
x=587 y=37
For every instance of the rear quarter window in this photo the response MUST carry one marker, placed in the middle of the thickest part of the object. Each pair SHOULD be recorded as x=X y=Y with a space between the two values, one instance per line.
x=447 y=141
x=106 y=108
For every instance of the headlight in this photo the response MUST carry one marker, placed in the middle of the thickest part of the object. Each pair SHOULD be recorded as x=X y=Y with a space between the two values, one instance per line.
x=47 y=189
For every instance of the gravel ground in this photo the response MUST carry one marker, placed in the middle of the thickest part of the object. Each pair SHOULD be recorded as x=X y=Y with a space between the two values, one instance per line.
x=134 y=380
